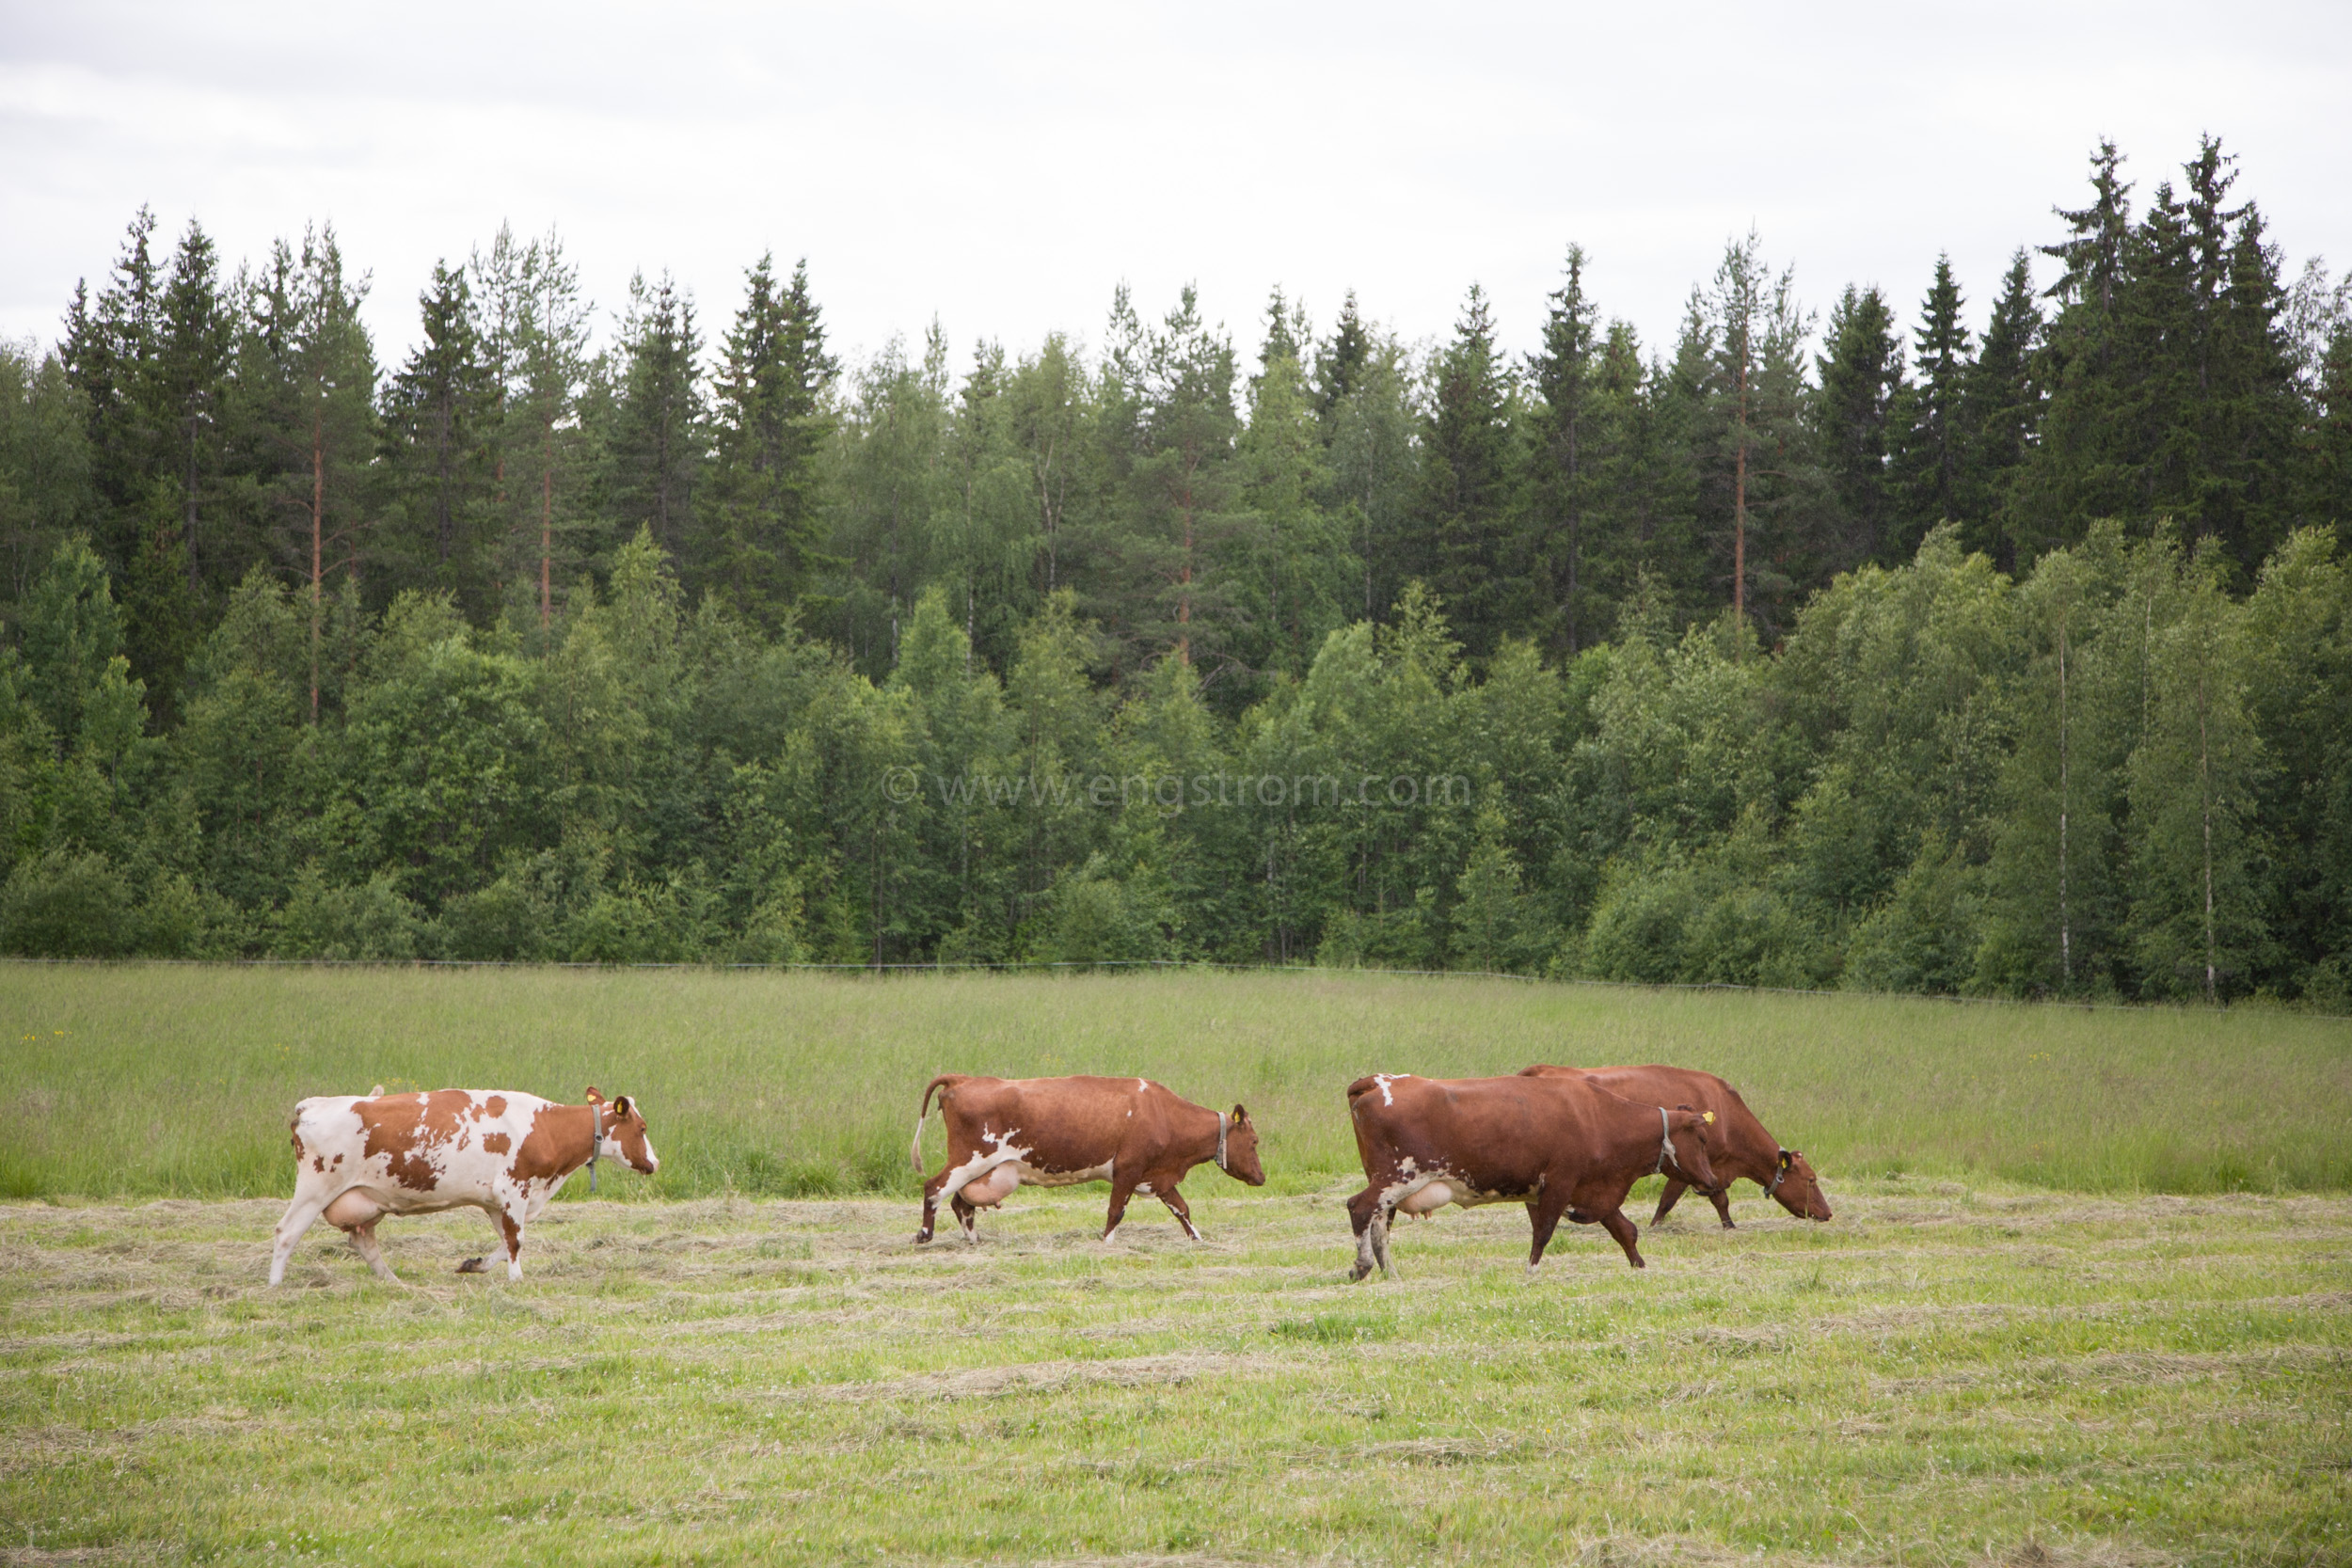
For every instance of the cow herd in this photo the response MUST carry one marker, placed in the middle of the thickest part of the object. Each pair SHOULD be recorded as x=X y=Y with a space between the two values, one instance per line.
x=1566 y=1142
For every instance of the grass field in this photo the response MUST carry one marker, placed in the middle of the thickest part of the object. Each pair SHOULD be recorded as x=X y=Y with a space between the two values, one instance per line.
x=163 y=1081
x=2043 y=1329
x=1945 y=1374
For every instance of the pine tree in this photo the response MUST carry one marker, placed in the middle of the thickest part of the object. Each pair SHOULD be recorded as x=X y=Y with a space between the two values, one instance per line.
x=306 y=381
x=1861 y=416
x=1762 y=497
x=762 y=522
x=1463 y=543
x=552 y=375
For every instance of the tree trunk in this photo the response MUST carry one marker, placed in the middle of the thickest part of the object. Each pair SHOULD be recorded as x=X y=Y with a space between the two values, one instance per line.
x=2066 y=932
x=546 y=525
x=1740 y=500
x=318 y=518
x=2205 y=797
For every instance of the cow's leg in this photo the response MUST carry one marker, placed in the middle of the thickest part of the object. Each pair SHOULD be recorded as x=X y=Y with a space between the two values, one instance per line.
x=1379 y=1227
x=1622 y=1228
x=931 y=1203
x=1676 y=1187
x=967 y=1216
x=1122 y=1188
x=298 y=1217
x=1543 y=1218
x=1360 y=1212
x=1721 y=1198
x=508 y=1217
x=364 y=1242
x=1176 y=1206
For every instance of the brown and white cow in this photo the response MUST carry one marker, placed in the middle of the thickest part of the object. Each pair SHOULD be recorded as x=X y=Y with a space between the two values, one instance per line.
x=1136 y=1134
x=1737 y=1143
x=1561 y=1145
x=360 y=1157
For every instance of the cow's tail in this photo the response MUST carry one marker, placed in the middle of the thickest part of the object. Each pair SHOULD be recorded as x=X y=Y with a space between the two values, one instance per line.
x=923 y=1111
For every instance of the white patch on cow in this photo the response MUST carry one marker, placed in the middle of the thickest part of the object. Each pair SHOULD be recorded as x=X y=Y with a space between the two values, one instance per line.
x=1111 y=1235
x=1387 y=1081
x=1143 y=1085
x=1144 y=1188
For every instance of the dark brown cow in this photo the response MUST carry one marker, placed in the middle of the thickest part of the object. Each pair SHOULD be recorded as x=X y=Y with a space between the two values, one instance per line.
x=1006 y=1133
x=1561 y=1145
x=1737 y=1143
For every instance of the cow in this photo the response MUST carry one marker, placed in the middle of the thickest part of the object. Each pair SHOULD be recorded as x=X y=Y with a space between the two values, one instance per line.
x=1136 y=1134
x=1561 y=1145
x=360 y=1157
x=1737 y=1143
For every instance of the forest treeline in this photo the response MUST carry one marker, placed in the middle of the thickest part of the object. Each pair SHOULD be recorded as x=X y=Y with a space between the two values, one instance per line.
x=1793 y=652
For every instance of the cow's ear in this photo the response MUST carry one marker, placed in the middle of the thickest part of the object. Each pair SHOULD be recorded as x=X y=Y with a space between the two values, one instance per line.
x=1240 y=1115
x=622 y=1109
x=594 y=1097
x=1785 y=1156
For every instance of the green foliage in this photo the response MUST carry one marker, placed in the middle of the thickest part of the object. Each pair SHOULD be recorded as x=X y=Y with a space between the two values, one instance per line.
x=1768 y=660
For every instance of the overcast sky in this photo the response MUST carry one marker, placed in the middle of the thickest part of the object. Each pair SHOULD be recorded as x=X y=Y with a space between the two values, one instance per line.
x=1003 y=166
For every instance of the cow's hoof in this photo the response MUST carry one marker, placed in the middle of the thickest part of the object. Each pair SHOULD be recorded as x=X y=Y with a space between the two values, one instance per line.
x=473 y=1265
x=1357 y=1274
x=922 y=1238
x=1728 y=1226
x=1637 y=1262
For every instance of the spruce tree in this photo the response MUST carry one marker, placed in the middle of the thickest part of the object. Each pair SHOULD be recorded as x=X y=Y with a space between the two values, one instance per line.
x=762 y=524
x=2000 y=404
x=1566 y=374
x=658 y=437
x=1860 y=414
x=1340 y=360
x=1463 y=543
x=439 y=413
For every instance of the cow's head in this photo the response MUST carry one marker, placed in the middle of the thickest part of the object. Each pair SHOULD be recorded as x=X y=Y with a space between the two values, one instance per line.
x=624 y=1135
x=1686 y=1131
x=1241 y=1149
x=1797 y=1188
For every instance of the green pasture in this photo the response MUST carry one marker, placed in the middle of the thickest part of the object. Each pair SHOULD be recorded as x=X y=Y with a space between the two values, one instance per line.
x=2087 y=1297
x=138 y=1080
x=1949 y=1373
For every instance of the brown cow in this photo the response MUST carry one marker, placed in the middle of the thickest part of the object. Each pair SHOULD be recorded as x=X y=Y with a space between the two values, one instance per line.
x=360 y=1157
x=1561 y=1145
x=1737 y=1143
x=1138 y=1136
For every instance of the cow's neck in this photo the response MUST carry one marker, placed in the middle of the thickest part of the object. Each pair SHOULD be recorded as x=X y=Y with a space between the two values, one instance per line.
x=575 y=1136
x=1749 y=1150
x=1201 y=1132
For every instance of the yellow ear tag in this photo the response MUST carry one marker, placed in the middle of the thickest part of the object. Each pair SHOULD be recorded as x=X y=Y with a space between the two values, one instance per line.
x=1710 y=1118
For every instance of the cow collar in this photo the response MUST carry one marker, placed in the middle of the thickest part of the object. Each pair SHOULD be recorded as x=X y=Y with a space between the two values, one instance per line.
x=595 y=1139
x=1665 y=1144
x=1221 y=1145
x=1779 y=1176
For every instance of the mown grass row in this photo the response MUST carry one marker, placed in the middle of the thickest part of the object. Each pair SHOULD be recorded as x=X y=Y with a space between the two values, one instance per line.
x=158 y=1080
